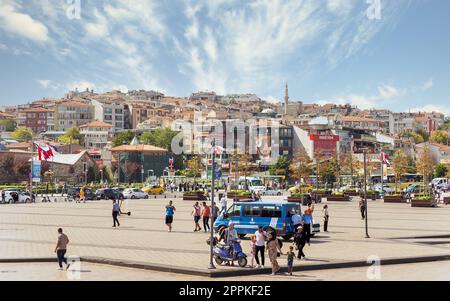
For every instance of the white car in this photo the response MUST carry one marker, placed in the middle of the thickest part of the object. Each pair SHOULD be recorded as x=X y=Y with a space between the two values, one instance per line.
x=386 y=188
x=272 y=192
x=134 y=193
x=12 y=197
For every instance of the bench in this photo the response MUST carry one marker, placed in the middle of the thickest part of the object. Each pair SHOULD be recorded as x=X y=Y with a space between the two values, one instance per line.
x=447 y=200
x=394 y=199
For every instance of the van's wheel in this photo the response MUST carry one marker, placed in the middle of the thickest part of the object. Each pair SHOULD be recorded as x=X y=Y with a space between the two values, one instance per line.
x=287 y=237
x=27 y=201
x=218 y=260
x=242 y=261
x=133 y=197
x=241 y=236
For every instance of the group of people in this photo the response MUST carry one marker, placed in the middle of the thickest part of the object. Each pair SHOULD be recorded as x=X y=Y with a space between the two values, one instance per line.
x=204 y=213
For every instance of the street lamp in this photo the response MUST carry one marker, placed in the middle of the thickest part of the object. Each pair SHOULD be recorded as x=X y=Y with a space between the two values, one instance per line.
x=211 y=254
x=365 y=191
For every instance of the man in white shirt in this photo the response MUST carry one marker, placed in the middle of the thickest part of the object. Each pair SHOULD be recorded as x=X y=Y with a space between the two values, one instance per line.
x=223 y=204
x=260 y=243
x=296 y=220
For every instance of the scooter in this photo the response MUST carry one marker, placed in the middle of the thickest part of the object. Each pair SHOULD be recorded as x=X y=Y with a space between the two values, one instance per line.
x=229 y=253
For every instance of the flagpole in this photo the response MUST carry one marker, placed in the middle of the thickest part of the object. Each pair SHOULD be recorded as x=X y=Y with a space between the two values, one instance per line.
x=32 y=167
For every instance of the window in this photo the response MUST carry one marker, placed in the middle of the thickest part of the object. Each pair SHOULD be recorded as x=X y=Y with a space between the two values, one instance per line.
x=108 y=117
x=119 y=111
x=252 y=211
x=234 y=210
x=271 y=211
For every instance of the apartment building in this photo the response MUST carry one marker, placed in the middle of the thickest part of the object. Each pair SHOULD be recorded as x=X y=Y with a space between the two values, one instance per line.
x=39 y=120
x=361 y=123
x=110 y=111
x=96 y=134
x=72 y=113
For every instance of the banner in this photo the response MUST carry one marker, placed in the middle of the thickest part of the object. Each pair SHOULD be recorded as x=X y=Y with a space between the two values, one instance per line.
x=36 y=174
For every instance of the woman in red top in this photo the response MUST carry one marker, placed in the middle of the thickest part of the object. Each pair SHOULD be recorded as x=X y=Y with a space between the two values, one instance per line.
x=206 y=213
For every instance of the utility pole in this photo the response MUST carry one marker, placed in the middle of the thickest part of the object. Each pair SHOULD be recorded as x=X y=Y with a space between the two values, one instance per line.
x=211 y=246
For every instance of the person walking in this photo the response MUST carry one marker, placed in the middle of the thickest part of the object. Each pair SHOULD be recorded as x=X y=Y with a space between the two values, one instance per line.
x=300 y=242
x=170 y=211
x=206 y=214
x=273 y=247
x=326 y=218
x=115 y=213
x=197 y=214
x=82 y=195
x=307 y=222
x=362 y=209
x=61 y=249
x=215 y=212
x=253 y=250
x=290 y=259
x=261 y=237
x=223 y=204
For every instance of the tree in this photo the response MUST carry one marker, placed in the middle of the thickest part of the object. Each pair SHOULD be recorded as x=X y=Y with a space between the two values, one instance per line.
x=281 y=167
x=162 y=137
x=349 y=165
x=195 y=165
x=440 y=137
x=71 y=136
x=445 y=126
x=440 y=171
x=418 y=137
x=123 y=138
x=400 y=165
x=411 y=165
x=301 y=166
x=9 y=124
x=425 y=164
x=22 y=134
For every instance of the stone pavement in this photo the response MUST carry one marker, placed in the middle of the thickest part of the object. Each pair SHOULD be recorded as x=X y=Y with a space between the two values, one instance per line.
x=429 y=271
x=397 y=231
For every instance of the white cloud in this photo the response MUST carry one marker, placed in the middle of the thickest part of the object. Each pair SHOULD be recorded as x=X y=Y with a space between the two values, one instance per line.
x=386 y=95
x=433 y=108
x=340 y=7
x=21 y=24
x=44 y=83
x=99 y=28
x=428 y=85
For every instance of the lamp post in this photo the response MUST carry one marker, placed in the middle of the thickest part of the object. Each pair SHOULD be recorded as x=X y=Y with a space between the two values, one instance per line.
x=213 y=174
x=365 y=192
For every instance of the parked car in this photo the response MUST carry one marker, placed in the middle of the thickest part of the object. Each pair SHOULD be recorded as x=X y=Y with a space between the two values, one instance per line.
x=153 y=190
x=437 y=182
x=75 y=193
x=12 y=197
x=386 y=188
x=108 y=194
x=274 y=217
x=271 y=191
x=414 y=188
x=134 y=193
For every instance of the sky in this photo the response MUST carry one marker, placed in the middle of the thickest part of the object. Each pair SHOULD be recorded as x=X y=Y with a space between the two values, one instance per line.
x=369 y=53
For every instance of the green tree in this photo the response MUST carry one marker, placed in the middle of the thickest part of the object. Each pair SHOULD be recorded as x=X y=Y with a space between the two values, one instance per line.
x=440 y=137
x=22 y=134
x=440 y=171
x=162 y=137
x=281 y=167
x=9 y=124
x=445 y=126
x=123 y=138
x=400 y=165
x=195 y=166
x=418 y=138
x=71 y=136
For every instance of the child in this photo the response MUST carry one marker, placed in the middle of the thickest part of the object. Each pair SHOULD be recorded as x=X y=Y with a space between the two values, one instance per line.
x=253 y=250
x=290 y=259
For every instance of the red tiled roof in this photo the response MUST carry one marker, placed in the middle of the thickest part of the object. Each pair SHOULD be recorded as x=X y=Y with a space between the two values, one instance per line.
x=37 y=110
x=138 y=148
x=73 y=104
x=358 y=119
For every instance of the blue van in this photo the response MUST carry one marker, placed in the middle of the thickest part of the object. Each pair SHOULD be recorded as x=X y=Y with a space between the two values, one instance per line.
x=274 y=217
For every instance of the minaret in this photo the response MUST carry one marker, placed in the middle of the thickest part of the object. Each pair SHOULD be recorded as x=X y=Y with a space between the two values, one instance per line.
x=286 y=100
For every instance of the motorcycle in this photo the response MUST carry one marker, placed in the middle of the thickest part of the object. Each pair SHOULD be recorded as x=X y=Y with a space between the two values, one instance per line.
x=228 y=253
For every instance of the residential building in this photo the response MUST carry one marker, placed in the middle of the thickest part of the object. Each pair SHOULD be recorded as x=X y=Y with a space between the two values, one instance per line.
x=39 y=120
x=96 y=134
x=110 y=111
x=72 y=113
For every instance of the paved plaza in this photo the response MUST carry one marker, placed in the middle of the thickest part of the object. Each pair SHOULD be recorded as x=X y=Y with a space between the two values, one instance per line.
x=29 y=231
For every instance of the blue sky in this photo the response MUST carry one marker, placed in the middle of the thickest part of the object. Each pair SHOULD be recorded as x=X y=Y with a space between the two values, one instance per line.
x=328 y=50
